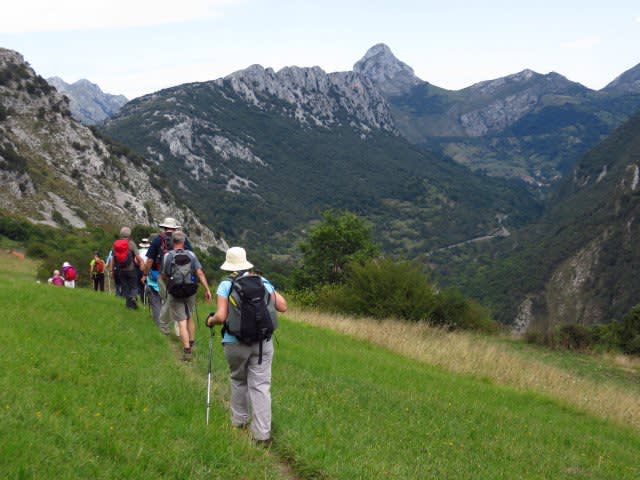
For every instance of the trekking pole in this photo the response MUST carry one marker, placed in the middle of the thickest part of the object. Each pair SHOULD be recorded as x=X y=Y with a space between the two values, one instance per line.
x=209 y=375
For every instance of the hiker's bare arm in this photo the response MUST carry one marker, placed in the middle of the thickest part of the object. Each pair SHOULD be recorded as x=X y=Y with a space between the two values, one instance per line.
x=147 y=266
x=203 y=281
x=221 y=313
x=281 y=303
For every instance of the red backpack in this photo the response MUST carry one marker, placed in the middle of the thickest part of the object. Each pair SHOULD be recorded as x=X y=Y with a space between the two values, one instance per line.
x=99 y=266
x=69 y=273
x=121 y=253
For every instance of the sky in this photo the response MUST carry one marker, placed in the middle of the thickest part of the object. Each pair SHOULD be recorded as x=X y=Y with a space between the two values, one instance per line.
x=136 y=47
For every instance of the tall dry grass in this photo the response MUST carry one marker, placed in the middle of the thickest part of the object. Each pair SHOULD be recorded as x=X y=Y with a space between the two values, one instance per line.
x=469 y=353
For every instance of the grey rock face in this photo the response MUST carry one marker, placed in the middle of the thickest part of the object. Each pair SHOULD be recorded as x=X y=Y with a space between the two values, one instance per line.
x=89 y=104
x=389 y=74
x=79 y=177
x=314 y=97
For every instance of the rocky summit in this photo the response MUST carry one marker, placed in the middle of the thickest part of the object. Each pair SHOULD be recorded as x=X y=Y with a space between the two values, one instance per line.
x=389 y=74
x=88 y=103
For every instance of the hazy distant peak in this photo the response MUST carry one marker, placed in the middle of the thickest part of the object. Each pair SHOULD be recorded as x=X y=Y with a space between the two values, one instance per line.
x=89 y=104
x=383 y=68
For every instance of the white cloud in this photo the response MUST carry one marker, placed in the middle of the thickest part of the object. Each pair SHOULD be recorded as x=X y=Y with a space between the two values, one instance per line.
x=50 y=15
x=584 y=43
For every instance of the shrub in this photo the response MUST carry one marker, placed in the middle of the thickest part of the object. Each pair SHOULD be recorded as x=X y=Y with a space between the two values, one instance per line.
x=575 y=337
x=382 y=288
x=630 y=331
x=454 y=311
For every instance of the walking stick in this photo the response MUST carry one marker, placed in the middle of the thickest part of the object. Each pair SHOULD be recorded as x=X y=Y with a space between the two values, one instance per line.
x=209 y=375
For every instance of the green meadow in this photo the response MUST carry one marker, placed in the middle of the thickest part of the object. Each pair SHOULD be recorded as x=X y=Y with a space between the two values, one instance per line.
x=89 y=389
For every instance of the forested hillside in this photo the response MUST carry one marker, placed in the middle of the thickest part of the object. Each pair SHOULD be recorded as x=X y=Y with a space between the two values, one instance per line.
x=577 y=263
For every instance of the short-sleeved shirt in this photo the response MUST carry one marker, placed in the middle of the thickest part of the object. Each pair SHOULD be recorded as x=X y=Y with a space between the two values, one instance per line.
x=224 y=289
x=134 y=249
x=166 y=261
x=155 y=248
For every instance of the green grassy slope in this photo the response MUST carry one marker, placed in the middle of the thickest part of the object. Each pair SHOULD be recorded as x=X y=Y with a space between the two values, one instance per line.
x=88 y=389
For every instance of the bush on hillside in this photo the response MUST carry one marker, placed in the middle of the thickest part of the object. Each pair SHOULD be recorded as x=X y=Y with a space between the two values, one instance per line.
x=454 y=311
x=630 y=331
x=382 y=288
x=575 y=337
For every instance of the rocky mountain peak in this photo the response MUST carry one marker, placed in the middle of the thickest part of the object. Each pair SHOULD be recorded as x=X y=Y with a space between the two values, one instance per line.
x=389 y=74
x=314 y=97
x=628 y=82
x=89 y=104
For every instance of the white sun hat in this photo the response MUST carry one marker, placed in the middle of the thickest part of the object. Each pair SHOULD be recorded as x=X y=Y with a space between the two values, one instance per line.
x=169 y=222
x=236 y=260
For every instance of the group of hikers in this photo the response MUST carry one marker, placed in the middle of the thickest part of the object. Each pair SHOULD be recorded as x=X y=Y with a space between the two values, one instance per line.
x=246 y=307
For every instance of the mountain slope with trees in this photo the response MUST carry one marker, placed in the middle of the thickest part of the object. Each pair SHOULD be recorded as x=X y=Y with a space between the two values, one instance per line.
x=259 y=155
x=577 y=263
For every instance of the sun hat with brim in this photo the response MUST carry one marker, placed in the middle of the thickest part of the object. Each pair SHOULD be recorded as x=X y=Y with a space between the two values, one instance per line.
x=236 y=260
x=169 y=222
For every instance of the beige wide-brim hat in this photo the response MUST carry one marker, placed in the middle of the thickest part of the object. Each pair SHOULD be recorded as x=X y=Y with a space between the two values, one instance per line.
x=169 y=222
x=236 y=260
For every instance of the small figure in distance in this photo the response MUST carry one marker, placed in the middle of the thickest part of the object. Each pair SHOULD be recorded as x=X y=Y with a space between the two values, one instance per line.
x=125 y=257
x=56 y=279
x=69 y=275
x=96 y=272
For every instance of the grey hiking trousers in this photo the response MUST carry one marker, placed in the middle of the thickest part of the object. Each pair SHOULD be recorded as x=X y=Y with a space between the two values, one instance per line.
x=251 y=386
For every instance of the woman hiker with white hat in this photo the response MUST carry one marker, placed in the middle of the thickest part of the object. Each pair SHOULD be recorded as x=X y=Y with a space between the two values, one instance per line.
x=249 y=365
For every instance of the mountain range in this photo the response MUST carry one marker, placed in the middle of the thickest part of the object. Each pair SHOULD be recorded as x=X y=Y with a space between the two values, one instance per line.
x=257 y=155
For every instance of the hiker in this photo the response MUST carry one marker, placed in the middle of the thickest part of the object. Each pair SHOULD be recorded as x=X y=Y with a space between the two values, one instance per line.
x=161 y=243
x=181 y=271
x=96 y=272
x=125 y=257
x=114 y=272
x=143 y=246
x=249 y=361
x=56 y=279
x=152 y=291
x=69 y=275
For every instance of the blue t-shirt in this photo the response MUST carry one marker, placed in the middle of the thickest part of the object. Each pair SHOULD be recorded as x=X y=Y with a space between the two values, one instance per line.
x=224 y=289
x=156 y=248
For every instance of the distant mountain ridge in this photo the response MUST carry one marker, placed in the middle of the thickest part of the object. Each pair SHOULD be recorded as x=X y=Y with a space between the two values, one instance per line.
x=526 y=125
x=89 y=104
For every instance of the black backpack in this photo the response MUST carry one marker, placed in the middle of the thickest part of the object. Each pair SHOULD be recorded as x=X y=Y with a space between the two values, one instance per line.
x=182 y=281
x=251 y=313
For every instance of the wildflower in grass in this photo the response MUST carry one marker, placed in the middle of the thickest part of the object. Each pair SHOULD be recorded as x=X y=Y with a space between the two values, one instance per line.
x=39 y=414
x=98 y=414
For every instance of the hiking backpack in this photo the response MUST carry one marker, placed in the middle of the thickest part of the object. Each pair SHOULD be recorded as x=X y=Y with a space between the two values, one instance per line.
x=98 y=267
x=252 y=314
x=166 y=245
x=122 y=255
x=182 y=280
x=69 y=273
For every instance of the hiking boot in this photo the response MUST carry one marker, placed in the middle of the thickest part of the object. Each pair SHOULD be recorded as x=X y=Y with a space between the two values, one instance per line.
x=187 y=355
x=263 y=443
